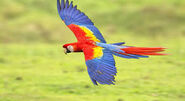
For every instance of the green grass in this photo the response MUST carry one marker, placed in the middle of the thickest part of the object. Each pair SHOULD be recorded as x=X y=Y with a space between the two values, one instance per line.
x=33 y=66
x=38 y=21
x=41 y=72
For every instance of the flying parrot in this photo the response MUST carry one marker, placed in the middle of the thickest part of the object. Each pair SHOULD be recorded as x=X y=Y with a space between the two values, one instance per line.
x=98 y=54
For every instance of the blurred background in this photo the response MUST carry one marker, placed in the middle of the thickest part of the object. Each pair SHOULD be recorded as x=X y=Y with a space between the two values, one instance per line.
x=33 y=66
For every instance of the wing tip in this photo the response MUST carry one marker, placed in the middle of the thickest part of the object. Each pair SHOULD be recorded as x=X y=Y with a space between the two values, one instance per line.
x=94 y=82
x=101 y=72
x=58 y=5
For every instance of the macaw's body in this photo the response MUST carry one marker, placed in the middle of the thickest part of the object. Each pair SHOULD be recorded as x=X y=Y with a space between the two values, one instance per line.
x=98 y=54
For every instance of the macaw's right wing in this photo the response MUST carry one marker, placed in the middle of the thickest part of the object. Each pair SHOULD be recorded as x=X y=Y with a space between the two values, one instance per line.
x=78 y=22
x=100 y=65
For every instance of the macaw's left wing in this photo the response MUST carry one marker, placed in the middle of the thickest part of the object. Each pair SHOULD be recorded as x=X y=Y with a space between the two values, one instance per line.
x=78 y=22
x=100 y=65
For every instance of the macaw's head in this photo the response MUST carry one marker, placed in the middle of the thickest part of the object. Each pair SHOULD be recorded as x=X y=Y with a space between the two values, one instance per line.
x=68 y=48
x=72 y=47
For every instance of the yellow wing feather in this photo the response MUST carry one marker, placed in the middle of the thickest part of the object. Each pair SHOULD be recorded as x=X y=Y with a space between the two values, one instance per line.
x=89 y=34
x=98 y=52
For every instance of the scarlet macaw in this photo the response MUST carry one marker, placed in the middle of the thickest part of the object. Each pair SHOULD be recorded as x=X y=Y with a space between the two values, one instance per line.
x=98 y=54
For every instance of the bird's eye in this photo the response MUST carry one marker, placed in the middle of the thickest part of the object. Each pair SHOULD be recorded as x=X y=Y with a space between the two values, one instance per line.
x=70 y=48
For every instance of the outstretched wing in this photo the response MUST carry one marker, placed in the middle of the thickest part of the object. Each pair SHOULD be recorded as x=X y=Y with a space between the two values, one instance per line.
x=100 y=65
x=78 y=22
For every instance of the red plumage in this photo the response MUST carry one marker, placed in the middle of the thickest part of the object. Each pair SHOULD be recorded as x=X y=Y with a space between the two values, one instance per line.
x=144 y=50
x=79 y=33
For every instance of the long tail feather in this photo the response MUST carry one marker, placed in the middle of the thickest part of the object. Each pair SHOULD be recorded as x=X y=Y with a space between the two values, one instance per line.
x=131 y=52
x=143 y=50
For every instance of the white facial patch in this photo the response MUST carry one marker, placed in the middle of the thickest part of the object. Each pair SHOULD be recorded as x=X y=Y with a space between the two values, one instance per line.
x=70 y=48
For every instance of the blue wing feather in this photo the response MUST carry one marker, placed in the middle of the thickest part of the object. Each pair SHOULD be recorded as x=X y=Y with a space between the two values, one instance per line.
x=102 y=70
x=108 y=57
x=71 y=15
x=67 y=4
x=66 y=8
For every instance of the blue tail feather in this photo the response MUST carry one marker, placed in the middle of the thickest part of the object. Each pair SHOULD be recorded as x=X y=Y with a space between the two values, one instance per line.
x=119 y=44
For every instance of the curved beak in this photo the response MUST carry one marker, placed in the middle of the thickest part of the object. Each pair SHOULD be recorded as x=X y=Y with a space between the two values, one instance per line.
x=66 y=51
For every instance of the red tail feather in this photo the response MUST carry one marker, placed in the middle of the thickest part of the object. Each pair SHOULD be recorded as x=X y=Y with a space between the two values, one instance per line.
x=144 y=50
